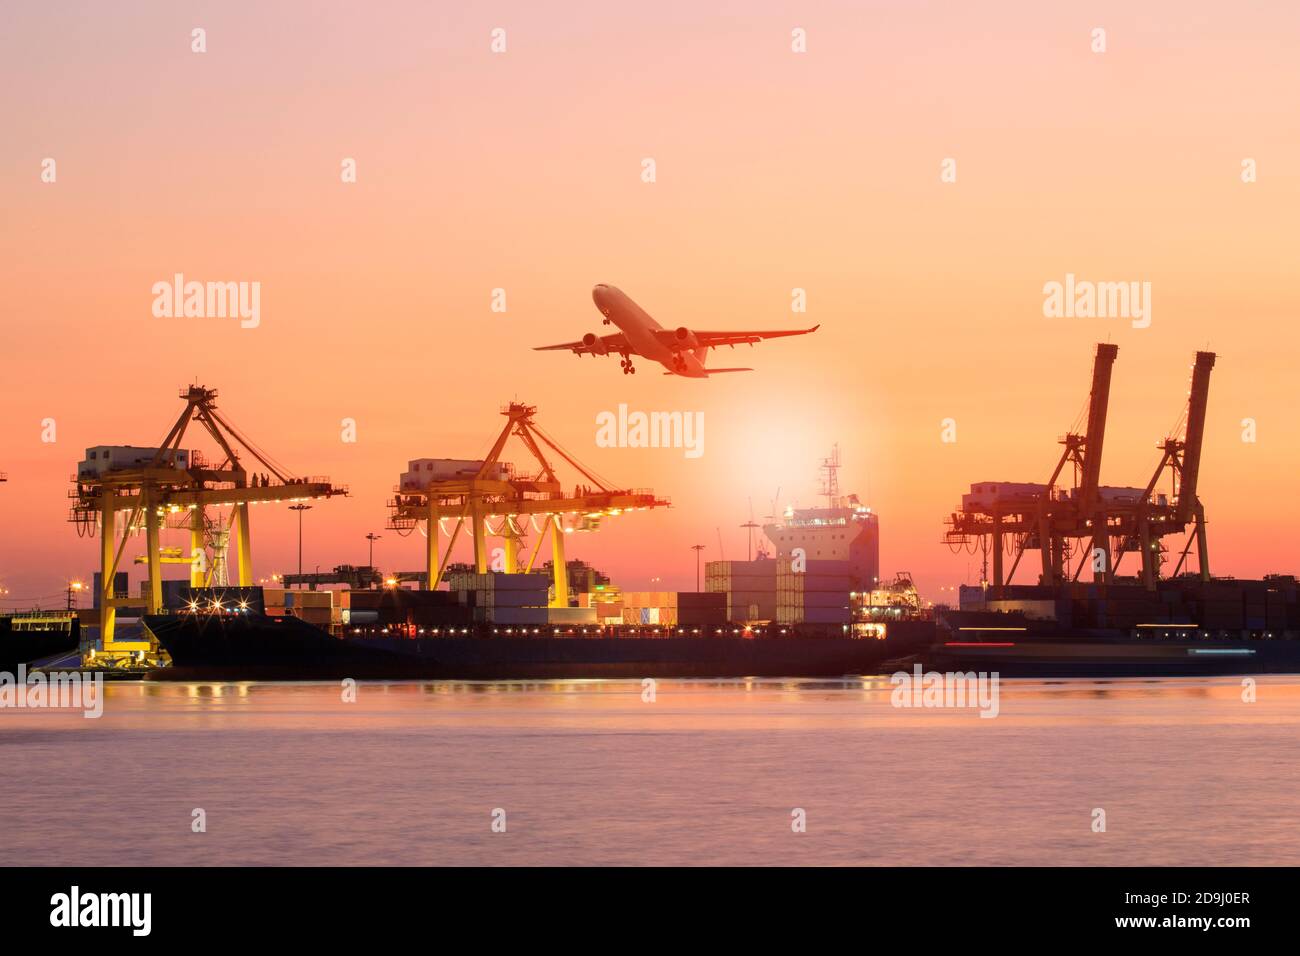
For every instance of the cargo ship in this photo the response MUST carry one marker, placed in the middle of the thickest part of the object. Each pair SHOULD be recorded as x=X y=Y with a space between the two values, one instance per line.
x=757 y=618
x=1090 y=655
x=254 y=646
x=1182 y=627
x=845 y=531
x=29 y=636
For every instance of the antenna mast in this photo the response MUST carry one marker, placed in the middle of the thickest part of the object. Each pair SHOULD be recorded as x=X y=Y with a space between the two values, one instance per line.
x=830 y=468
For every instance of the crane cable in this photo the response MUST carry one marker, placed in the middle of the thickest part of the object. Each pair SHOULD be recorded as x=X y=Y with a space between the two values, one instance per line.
x=603 y=483
x=260 y=454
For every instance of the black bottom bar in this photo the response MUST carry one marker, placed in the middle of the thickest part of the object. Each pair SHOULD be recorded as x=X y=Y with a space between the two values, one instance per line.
x=306 y=904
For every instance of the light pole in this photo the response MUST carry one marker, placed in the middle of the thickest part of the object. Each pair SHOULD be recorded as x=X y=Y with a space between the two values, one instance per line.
x=74 y=587
x=697 y=548
x=300 y=508
x=372 y=538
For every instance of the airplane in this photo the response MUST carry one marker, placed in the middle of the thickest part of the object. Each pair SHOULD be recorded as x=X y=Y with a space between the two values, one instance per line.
x=681 y=351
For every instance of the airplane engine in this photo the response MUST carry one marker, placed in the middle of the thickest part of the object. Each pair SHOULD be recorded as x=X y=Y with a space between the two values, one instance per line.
x=686 y=338
x=593 y=342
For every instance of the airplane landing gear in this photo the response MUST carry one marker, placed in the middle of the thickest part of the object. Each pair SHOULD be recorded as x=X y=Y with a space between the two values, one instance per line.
x=628 y=369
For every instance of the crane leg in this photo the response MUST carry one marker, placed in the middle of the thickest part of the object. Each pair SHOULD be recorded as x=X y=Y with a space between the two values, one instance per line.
x=432 y=558
x=1100 y=542
x=1148 y=556
x=560 y=571
x=151 y=521
x=196 y=547
x=997 y=555
x=107 y=564
x=244 y=548
x=512 y=548
x=1046 y=547
x=1202 y=546
x=480 y=541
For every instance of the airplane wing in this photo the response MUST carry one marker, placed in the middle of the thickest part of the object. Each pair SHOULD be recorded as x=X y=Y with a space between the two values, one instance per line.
x=591 y=345
x=713 y=340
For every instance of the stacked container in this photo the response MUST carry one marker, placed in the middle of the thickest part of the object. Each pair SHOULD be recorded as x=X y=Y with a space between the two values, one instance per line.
x=314 y=607
x=650 y=607
x=500 y=598
x=701 y=608
x=817 y=595
x=750 y=587
x=571 y=616
x=1222 y=606
x=608 y=606
x=398 y=606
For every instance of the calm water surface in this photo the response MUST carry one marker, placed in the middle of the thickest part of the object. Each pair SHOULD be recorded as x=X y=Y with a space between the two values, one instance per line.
x=709 y=772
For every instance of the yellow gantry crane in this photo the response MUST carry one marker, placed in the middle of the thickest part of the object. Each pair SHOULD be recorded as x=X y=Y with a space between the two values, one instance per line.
x=495 y=493
x=172 y=486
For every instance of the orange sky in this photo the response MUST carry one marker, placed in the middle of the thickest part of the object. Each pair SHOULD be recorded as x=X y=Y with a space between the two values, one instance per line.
x=775 y=170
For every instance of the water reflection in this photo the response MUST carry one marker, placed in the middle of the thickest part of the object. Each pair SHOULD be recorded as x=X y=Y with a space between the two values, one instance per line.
x=592 y=772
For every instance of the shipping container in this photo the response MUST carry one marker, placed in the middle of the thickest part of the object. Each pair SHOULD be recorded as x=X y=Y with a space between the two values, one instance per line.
x=517 y=615
x=571 y=615
x=650 y=615
x=497 y=581
x=701 y=599
x=825 y=615
x=760 y=568
x=638 y=599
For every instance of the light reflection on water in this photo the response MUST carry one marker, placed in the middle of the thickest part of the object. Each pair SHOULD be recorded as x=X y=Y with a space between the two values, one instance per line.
x=587 y=772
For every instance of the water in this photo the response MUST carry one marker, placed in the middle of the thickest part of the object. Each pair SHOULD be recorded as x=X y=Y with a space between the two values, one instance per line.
x=708 y=773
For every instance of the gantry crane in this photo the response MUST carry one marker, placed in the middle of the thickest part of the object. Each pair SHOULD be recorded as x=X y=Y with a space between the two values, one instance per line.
x=495 y=493
x=1004 y=517
x=176 y=487
x=1181 y=456
x=1076 y=515
x=1016 y=517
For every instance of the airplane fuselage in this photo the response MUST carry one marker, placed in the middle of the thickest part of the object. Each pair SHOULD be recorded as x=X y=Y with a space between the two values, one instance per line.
x=639 y=329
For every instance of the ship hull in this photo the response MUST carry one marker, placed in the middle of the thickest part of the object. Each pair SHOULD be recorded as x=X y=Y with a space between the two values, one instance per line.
x=25 y=646
x=1078 y=657
x=272 y=649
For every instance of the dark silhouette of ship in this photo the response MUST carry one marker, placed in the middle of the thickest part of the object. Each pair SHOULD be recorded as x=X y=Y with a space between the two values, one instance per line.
x=32 y=636
x=261 y=647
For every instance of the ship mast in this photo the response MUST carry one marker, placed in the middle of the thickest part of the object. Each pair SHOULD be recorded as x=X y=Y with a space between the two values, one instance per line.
x=830 y=468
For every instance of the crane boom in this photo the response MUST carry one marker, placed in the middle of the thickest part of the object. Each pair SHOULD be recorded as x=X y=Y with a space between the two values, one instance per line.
x=1197 y=403
x=1094 y=438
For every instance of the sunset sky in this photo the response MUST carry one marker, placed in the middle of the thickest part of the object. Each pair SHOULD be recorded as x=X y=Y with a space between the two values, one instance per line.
x=775 y=170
